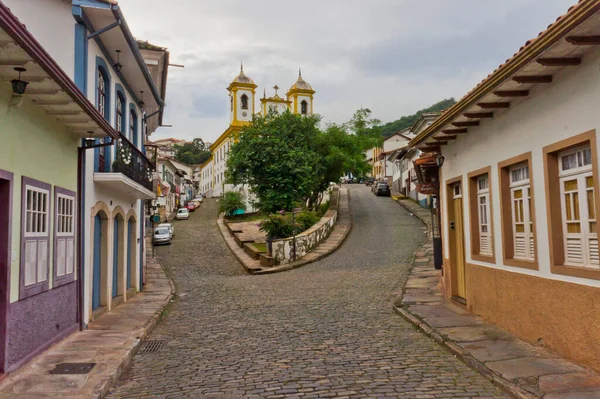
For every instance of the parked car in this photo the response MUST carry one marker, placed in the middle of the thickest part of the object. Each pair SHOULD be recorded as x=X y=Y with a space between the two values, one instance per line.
x=183 y=214
x=168 y=226
x=370 y=181
x=162 y=235
x=196 y=203
x=190 y=206
x=383 y=189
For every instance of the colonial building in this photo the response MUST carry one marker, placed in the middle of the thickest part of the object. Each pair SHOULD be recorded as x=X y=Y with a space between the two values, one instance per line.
x=242 y=93
x=519 y=190
x=92 y=45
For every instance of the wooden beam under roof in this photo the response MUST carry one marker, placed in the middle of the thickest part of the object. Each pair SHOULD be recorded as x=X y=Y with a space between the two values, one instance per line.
x=533 y=79
x=474 y=115
x=466 y=123
x=511 y=93
x=446 y=137
x=584 y=40
x=454 y=131
x=560 y=61
x=493 y=105
x=431 y=148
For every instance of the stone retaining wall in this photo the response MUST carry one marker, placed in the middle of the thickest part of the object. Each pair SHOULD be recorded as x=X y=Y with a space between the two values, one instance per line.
x=282 y=250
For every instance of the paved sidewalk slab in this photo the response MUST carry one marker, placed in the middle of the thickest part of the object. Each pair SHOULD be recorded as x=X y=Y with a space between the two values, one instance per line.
x=111 y=341
x=524 y=370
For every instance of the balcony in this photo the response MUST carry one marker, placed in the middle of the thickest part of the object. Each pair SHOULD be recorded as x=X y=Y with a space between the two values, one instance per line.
x=131 y=173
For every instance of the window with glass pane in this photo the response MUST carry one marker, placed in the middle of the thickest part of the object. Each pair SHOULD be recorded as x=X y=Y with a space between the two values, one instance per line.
x=101 y=93
x=120 y=107
x=578 y=208
x=522 y=224
x=483 y=199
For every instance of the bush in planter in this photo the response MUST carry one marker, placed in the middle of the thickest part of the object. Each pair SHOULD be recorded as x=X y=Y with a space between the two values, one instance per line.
x=324 y=207
x=232 y=201
x=277 y=226
x=305 y=220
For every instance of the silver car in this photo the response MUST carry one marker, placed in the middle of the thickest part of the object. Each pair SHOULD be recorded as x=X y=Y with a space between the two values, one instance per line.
x=168 y=226
x=162 y=235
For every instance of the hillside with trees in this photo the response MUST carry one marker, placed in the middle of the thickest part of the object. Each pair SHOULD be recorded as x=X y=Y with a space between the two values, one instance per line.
x=407 y=121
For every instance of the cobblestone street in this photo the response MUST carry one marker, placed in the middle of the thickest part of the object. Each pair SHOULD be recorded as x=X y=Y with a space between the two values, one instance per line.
x=324 y=330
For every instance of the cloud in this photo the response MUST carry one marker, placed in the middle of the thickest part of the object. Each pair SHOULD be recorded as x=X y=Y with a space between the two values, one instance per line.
x=393 y=56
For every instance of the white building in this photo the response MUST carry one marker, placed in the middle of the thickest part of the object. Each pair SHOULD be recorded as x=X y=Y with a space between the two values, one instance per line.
x=242 y=91
x=92 y=43
x=520 y=190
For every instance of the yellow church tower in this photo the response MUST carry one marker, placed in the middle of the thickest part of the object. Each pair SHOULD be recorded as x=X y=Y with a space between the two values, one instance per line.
x=241 y=98
x=301 y=96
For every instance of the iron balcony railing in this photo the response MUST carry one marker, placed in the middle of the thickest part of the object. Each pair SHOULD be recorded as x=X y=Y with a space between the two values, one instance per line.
x=133 y=163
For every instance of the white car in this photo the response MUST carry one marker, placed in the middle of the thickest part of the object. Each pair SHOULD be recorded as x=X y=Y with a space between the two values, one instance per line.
x=183 y=214
x=168 y=226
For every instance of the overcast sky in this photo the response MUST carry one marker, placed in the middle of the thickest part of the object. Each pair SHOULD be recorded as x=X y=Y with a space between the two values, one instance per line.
x=392 y=56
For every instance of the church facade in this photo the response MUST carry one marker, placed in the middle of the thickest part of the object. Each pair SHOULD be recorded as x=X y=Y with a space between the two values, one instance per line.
x=243 y=107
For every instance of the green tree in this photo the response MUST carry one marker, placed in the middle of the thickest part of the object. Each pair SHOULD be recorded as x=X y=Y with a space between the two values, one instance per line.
x=287 y=160
x=231 y=201
x=341 y=153
x=192 y=153
x=366 y=128
x=396 y=126
x=275 y=158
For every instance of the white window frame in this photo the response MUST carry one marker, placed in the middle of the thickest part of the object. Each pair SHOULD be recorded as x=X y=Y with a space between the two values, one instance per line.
x=483 y=210
x=46 y=213
x=527 y=236
x=588 y=240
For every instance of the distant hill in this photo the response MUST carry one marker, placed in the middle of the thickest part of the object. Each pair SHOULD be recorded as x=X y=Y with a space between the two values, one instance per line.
x=407 y=121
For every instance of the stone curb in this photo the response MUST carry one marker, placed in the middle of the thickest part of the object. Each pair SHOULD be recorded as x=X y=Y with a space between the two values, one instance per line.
x=224 y=233
x=298 y=263
x=104 y=388
x=464 y=356
x=449 y=344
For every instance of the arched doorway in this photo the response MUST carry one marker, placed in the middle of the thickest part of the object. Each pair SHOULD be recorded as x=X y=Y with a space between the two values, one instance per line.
x=117 y=288
x=131 y=255
x=100 y=260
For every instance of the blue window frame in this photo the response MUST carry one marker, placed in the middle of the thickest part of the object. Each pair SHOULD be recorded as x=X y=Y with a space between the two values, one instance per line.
x=133 y=126
x=121 y=110
x=102 y=156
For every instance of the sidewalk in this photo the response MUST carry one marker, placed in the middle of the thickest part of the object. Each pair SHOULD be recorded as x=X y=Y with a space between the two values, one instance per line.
x=110 y=342
x=328 y=246
x=524 y=370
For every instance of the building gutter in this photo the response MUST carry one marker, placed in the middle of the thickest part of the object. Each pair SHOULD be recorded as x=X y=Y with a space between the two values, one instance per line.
x=554 y=33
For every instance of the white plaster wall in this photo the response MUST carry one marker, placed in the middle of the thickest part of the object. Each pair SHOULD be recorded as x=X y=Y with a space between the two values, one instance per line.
x=238 y=105
x=93 y=52
x=308 y=100
x=97 y=193
x=52 y=24
x=551 y=113
x=393 y=143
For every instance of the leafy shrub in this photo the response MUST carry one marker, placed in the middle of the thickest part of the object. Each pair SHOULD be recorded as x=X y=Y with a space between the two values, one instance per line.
x=305 y=220
x=324 y=207
x=276 y=226
x=232 y=201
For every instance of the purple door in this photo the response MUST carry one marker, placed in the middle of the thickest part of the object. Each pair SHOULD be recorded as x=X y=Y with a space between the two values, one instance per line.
x=5 y=238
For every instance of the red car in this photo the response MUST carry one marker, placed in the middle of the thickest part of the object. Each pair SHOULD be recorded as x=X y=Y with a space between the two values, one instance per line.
x=190 y=206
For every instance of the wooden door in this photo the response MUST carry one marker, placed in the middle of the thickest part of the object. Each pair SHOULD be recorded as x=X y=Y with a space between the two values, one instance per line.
x=457 y=242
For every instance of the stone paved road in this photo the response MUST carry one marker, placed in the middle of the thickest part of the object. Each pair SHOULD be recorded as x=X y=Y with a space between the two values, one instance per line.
x=324 y=330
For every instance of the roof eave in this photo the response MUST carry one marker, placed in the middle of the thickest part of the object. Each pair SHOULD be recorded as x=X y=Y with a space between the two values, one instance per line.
x=554 y=33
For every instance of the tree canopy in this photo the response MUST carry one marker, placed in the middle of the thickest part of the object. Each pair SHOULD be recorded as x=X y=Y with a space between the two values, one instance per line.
x=407 y=121
x=192 y=153
x=288 y=161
